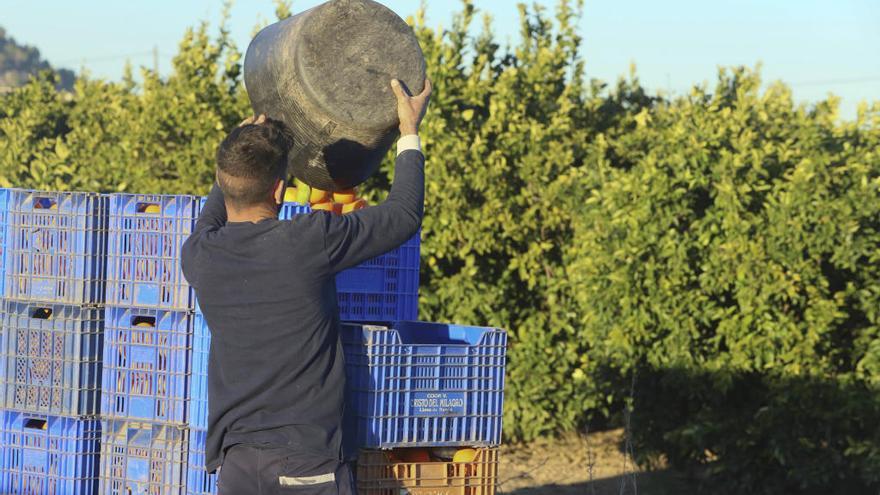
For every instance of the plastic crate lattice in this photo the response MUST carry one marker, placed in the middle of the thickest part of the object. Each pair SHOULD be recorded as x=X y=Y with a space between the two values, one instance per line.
x=146 y=238
x=48 y=454
x=51 y=358
x=142 y=458
x=146 y=365
x=56 y=247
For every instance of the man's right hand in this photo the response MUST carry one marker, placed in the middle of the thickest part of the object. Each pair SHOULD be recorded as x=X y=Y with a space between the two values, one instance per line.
x=254 y=120
x=411 y=109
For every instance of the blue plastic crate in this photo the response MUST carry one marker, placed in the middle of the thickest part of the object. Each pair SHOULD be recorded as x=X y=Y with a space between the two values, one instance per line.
x=51 y=358
x=48 y=454
x=425 y=384
x=385 y=288
x=198 y=481
x=56 y=247
x=146 y=365
x=4 y=209
x=198 y=382
x=147 y=233
x=289 y=210
x=142 y=458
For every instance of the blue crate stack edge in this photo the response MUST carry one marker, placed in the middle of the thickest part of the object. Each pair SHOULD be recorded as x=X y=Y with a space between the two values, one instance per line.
x=54 y=253
x=104 y=350
x=148 y=345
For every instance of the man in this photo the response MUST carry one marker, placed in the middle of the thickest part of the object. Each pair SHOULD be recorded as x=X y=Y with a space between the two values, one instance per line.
x=266 y=287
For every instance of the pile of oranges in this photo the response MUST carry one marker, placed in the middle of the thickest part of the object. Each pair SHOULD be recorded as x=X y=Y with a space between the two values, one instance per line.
x=340 y=202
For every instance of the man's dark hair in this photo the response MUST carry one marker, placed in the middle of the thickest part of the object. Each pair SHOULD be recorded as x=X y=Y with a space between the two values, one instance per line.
x=251 y=159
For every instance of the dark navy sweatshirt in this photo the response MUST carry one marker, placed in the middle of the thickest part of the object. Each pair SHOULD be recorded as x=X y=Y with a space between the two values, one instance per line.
x=267 y=290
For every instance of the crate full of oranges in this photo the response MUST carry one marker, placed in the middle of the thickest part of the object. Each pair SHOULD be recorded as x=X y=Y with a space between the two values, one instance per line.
x=428 y=471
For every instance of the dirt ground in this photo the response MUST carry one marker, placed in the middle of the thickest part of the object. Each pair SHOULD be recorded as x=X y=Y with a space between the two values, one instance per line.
x=581 y=464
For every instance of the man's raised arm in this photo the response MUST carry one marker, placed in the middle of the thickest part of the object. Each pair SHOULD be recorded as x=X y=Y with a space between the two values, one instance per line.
x=213 y=215
x=364 y=234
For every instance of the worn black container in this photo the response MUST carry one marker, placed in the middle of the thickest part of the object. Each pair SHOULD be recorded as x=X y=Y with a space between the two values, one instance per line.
x=326 y=73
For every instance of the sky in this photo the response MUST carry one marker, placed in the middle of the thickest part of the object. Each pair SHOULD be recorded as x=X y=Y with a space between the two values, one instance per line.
x=819 y=47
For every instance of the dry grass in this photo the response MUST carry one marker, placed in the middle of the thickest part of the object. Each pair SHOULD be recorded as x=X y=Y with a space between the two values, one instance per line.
x=581 y=464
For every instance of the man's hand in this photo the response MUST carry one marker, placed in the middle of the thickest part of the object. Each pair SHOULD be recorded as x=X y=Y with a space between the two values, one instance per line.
x=411 y=109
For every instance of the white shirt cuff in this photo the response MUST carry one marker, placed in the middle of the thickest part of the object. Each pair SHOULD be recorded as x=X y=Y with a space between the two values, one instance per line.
x=409 y=142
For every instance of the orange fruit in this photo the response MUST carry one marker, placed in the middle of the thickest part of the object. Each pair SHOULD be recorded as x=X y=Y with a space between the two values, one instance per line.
x=303 y=192
x=326 y=206
x=414 y=455
x=144 y=324
x=337 y=208
x=465 y=455
x=319 y=196
x=45 y=204
x=359 y=204
x=346 y=196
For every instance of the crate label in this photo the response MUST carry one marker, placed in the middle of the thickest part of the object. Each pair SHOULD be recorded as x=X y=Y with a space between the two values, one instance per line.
x=438 y=403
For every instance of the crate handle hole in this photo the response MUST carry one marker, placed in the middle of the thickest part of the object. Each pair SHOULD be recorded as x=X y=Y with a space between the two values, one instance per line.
x=143 y=321
x=149 y=208
x=35 y=424
x=43 y=203
x=41 y=313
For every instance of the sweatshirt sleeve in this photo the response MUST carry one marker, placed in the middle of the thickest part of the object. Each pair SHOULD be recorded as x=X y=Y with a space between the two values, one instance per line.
x=212 y=217
x=354 y=238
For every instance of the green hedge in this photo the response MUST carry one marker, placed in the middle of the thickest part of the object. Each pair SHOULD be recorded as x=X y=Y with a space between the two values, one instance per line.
x=726 y=252
x=721 y=247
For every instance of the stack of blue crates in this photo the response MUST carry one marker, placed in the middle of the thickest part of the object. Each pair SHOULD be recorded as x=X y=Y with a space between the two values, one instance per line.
x=147 y=347
x=198 y=481
x=434 y=387
x=103 y=376
x=54 y=248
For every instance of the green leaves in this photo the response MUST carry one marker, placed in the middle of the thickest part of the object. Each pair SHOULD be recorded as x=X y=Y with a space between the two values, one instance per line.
x=502 y=137
x=727 y=240
x=159 y=136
